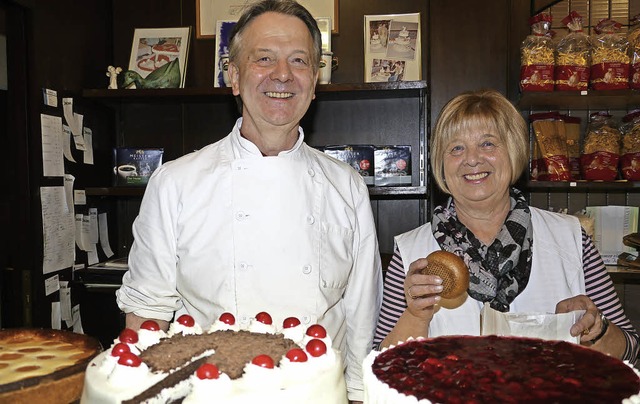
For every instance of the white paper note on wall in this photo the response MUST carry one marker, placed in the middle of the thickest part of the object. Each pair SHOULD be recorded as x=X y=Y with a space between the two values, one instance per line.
x=57 y=230
x=52 y=154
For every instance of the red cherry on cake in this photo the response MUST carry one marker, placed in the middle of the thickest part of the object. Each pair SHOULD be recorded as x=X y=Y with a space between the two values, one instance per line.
x=208 y=371
x=150 y=325
x=119 y=348
x=128 y=336
x=290 y=322
x=186 y=320
x=227 y=318
x=264 y=318
x=129 y=359
x=264 y=361
x=297 y=355
x=317 y=331
x=316 y=347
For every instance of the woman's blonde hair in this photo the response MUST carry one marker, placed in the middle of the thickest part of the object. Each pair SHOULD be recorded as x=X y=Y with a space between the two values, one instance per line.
x=485 y=109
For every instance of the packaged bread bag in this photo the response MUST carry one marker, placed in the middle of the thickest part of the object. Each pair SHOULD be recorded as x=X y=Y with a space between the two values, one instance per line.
x=572 y=133
x=601 y=148
x=609 y=57
x=634 y=52
x=551 y=138
x=573 y=54
x=537 y=59
x=630 y=153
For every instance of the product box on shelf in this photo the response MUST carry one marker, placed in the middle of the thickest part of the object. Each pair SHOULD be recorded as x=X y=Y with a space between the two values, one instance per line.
x=360 y=157
x=134 y=166
x=392 y=165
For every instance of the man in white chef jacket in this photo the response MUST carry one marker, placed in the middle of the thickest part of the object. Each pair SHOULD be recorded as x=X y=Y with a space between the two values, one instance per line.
x=260 y=221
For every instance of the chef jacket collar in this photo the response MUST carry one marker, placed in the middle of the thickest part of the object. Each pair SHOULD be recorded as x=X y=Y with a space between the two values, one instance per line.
x=245 y=148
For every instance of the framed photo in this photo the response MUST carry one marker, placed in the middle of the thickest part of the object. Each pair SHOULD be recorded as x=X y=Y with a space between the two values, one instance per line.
x=324 y=24
x=392 y=48
x=208 y=12
x=161 y=48
x=223 y=31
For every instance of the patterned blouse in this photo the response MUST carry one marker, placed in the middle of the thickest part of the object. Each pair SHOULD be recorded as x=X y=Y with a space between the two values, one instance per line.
x=598 y=283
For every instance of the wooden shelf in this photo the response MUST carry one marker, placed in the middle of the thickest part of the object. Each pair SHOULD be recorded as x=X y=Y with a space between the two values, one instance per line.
x=408 y=192
x=585 y=100
x=582 y=186
x=620 y=274
x=206 y=93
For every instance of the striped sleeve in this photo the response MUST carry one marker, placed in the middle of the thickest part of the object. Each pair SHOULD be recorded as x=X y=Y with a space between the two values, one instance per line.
x=599 y=288
x=393 y=300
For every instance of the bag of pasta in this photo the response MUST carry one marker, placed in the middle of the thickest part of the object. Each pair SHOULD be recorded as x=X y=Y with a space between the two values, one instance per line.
x=572 y=132
x=609 y=57
x=634 y=52
x=573 y=56
x=630 y=153
x=537 y=60
x=601 y=148
x=552 y=143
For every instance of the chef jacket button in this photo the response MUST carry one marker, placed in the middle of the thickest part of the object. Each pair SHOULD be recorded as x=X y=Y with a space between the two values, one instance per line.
x=306 y=269
x=306 y=319
x=311 y=172
x=243 y=265
x=311 y=219
x=240 y=215
x=244 y=319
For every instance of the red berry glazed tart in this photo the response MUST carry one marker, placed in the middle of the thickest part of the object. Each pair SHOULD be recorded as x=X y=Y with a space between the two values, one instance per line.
x=263 y=362
x=492 y=369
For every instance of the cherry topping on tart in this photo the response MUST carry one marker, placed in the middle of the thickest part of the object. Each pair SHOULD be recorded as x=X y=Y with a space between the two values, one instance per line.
x=297 y=355
x=186 y=320
x=264 y=361
x=129 y=359
x=317 y=331
x=150 y=325
x=264 y=318
x=120 y=348
x=290 y=322
x=208 y=371
x=128 y=336
x=316 y=347
x=227 y=318
x=469 y=369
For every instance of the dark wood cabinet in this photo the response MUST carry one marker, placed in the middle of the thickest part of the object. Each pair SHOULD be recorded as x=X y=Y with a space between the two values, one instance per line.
x=182 y=120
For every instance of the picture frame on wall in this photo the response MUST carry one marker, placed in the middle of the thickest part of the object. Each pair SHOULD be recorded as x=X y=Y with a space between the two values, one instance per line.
x=221 y=62
x=392 y=48
x=324 y=25
x=208 y=12
x=163 y=52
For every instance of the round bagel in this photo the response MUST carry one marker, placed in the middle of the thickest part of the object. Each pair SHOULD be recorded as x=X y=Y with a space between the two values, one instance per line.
x=451 y=269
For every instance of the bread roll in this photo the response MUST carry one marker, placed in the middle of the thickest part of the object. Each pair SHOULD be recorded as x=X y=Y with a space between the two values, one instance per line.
x=452 y=270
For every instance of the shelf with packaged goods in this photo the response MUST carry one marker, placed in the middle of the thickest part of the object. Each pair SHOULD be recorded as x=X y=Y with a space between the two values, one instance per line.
x=583 y=185
x=583 y=100
x=376 y=193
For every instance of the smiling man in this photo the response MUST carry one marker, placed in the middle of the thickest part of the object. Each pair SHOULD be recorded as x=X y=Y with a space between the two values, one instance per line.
x=260 y=221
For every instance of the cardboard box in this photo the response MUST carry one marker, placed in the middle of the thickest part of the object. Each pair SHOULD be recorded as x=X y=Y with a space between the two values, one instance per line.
x=360 y=157
x=392 y=165
x=134 y=166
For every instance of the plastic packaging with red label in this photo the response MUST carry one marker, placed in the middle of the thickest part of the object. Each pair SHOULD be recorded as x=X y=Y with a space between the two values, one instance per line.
x=609 y=57
x=573 y=56
x=537 y=59
x=601 y=149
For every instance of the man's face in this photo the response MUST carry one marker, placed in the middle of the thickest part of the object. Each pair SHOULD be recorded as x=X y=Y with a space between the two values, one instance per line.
x=273 y=72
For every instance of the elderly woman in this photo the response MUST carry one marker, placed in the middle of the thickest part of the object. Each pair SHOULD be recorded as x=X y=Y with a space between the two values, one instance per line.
x=520 y=258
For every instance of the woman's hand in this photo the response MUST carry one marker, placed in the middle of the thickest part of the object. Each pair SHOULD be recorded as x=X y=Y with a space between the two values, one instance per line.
x=590 y=324
x=421 y=291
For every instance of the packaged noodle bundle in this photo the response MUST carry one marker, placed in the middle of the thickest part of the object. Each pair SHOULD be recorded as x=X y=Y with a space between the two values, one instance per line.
x=538 y=168
x=552 y=142
x=573 y=56
x=601 y=149
x=609 y=57
x=634 y=51
x=537 y=60
x=630 y=153
x=572 y=131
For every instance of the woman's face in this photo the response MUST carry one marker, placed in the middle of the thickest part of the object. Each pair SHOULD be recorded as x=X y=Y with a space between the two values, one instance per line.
x=477 y=168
